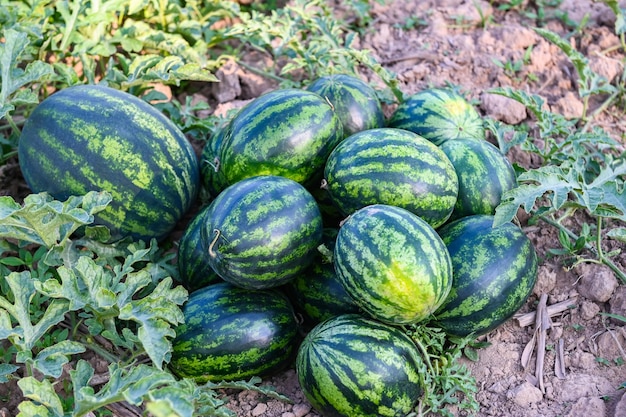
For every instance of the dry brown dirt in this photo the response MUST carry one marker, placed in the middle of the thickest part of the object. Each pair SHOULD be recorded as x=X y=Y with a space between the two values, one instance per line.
x=461 y=42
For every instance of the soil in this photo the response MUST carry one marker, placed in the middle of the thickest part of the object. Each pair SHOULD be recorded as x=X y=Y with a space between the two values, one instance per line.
x=465 y=43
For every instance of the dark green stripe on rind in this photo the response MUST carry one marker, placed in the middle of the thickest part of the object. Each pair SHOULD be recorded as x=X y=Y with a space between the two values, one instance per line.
x=394 y=167
x=287 y=132
x=353 y=366
x=90 y=137
x=231 y=334
x=393 y=264
x=354 y=101
x=212 y=177
x=269 y=229
x=439 y=115
x=193 y=260
x=484 y=174
x=495 y=270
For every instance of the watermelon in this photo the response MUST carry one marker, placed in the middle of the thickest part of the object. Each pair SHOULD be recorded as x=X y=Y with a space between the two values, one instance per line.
x=484 y=174
x=262 y=231
x=355 y=366
x=438 y=114
x=354 y=101
x=495 y=270
x=211 y=176
x=318 y=293
x=230 y=333
x=393 y=264
x=286 y=132
x=95 y=138
x=194 y=269
x=394 y=167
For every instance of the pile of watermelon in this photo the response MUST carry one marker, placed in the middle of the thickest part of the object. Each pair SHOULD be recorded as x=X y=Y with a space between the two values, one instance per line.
x=326 y=219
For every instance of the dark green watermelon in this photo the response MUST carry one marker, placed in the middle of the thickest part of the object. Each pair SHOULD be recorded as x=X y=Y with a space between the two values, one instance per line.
x=95 y=138
x=438 y=114
x=212 y=177
x=354 y=101
x=194 y=268
x=352 y=366
x=230 y=333
x=317 y=292
x=394 y=167
x=262 y=231
x=393 y=264
x=495 y=270
x=286 y=132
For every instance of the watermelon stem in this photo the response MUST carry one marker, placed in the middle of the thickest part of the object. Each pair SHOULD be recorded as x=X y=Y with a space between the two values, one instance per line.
x=212 y=252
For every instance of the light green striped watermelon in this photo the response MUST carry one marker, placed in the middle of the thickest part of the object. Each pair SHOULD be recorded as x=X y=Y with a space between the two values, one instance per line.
x=94 y=138
x=354 y=101
x=484 y=174
x=230 y=333
x=393 y=264
x=394 y=167
x=286 y=132
x=352 y=366
x=262 y=231
x=194 y=269
x=495 y=270
x=438 y=114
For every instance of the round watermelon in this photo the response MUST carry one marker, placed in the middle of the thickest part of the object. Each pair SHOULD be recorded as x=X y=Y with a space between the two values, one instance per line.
x=230 y=333
x=394 y=167
x=393 y=264
x=354 y=101
x=211 y=176
x=285 y=132
x=438 y=114
x=95 y=138
x=317 y=292
x=495 y=270
x=353 y=366
x=261 y=232
x=194 y=268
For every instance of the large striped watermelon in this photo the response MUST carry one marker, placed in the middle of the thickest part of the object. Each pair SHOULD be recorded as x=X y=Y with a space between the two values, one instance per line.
x=393 y=264
x=317 y=292
x=352 y=366
x=495 y=270
x=394 y=167
x=354 y=101
x=286 y=132
x=194 y=268
x=230 y=333
x=484 y=174
x=262 y=231
x=438 y=114
x=90 y=137
x=212 y=177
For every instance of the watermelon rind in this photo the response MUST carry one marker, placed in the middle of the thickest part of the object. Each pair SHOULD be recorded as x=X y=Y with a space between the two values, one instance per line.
x=354 y=366
x=394 y=167
x=262 y=231
x=95 y=138
x=230 y=333
x=484 y=175
x=495 y=270
x=286 y=132
x=393 y=264
x=438 y=114
x=355 y=102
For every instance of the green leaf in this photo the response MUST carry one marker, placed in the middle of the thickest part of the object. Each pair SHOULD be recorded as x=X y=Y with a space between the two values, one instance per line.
x=26 y=334
x=618 y=233
x=6 y=369
x=534 y=185
x=31 y=409
x=43 y=393
x=50 y=360
x=620 y=21
x=45 y=221
x=14 y=76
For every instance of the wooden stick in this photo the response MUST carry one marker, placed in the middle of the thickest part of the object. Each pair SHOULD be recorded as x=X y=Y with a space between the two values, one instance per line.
x=552 y=310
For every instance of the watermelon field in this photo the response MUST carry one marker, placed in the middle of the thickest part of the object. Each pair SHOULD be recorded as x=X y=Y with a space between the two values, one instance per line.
x=312 y=208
